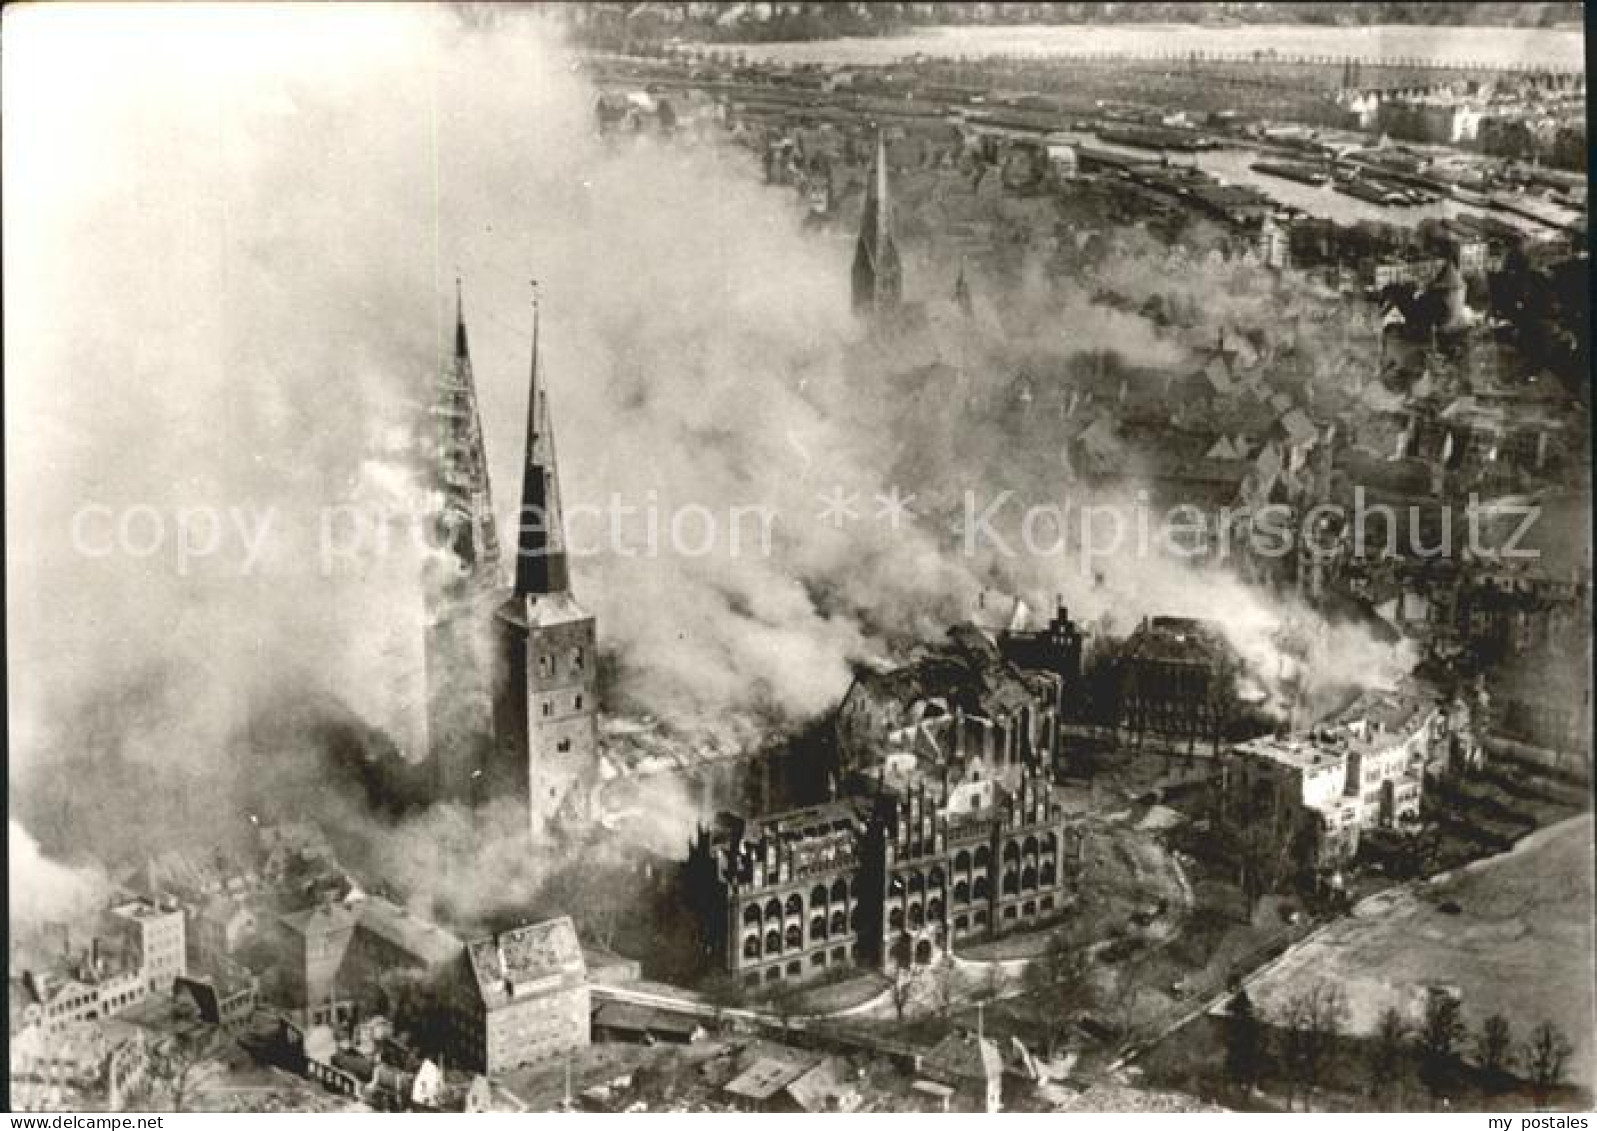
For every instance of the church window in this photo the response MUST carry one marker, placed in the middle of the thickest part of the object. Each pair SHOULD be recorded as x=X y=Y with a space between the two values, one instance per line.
x=548 y=709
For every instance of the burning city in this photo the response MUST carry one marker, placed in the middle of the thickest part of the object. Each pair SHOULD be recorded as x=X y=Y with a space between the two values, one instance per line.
x=1064 y=584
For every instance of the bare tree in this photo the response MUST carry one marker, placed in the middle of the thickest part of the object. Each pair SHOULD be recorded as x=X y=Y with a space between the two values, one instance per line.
x=174 y=1060
x=943 y=986
x=1437 y=1041
x=1546 y=1056
x=1244 y=1042
x=1494 y=1048
x=1388 y=1055
x=902 y=985
x=1057 y=980
x=1312 y=1021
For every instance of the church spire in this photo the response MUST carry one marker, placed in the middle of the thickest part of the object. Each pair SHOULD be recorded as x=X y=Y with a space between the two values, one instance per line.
x=877 y=277
x=541 y=546
x=962 y=290
x=460 y=469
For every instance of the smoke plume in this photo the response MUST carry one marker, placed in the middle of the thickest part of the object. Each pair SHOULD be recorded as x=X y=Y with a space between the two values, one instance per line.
x=240 y=228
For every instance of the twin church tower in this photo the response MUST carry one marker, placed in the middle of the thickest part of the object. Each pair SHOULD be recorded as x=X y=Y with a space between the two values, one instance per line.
x=512 y=700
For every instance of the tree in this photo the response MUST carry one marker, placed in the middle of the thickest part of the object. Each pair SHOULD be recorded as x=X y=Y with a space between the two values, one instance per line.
x=1057 y=981
x=1312 y=1020
x=902 y=984
x=1388 y=1055
x=1546 y=1055
x=174 y=1060
x=1437 y=1040
x=943 y=986
x=1244 y=1042
x=1494 y=1048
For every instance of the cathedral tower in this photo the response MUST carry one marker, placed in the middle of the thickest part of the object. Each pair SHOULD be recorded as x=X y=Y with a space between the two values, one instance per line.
x=463 y=581
x=545 y=711
x=877 y=278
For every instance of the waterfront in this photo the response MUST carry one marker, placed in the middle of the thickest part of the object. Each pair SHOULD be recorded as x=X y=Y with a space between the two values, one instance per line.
x=1234 y=166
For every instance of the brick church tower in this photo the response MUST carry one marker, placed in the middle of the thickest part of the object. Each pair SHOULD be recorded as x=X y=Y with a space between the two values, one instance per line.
x=546 y=704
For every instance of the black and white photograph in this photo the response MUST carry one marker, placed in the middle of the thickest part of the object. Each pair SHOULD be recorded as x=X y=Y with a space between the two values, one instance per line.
x=814 y=558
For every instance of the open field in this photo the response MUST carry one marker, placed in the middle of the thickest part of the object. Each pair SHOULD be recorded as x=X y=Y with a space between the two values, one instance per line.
x=1520 y=944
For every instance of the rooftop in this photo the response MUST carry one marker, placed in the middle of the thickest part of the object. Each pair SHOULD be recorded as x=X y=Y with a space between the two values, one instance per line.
x=319 y=920
x=1298 y=753
x=525 y=955
x=412 y=934
x=767 y=1076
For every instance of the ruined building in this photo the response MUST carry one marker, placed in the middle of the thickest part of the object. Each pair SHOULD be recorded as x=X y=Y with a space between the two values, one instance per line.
x=518 y=998
x=463 y=585
x=1177 y=687
x=1056 y=649
x=957 y=699
x=877 y=278
x=546 y=702
x=947 y=829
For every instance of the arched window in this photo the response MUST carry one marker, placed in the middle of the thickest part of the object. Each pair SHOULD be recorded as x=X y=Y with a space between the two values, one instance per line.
x=773 y=942
x=795 y=905
x=1030 y=847
x=751 y=914
x=817 y=927
x=979 y=889
x=1050 y=844
x=962 y=861
x=1011 y=852
x=923 y=953
x=961 y=892
x=934 y=910
x=773 y=908
x=935 y=880
x=917 y=918
x=984 y=856
x=917 y=883
x=1048 y=873
x=839 y=892
x=795 y=937
x=818 y=896
x=751 y=946
x=1011 y=883
x=839 y=923
x=1028 y=878
x=895 y=918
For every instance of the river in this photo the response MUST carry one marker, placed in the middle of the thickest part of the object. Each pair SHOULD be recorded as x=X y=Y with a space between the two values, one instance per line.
x=1561 y=48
